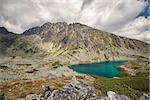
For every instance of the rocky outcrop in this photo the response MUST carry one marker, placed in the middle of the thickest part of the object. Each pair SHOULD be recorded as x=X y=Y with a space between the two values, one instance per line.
x=75 y=90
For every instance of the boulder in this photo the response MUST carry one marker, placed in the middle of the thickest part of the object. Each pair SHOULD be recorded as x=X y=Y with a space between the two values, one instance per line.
x=145 y=97
x=113 y=96
x=31 y=70
x=32 y=97
x=45 y=88
x=75 y=90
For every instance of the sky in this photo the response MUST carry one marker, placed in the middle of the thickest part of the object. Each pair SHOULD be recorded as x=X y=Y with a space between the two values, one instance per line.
x=129 y=18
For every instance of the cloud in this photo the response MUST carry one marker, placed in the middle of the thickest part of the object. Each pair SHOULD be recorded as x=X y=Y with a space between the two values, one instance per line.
x=29 y=13
x=86 y=3
x=137 y=29
x=108 y=15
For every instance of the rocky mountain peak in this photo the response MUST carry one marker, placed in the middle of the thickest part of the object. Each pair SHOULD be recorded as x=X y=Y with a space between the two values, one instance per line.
x=45 y=27
x=52 y=27
x=31 y=31
x=3 y=30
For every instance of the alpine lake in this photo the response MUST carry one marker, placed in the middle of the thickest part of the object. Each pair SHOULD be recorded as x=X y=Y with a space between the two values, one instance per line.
x=108 y=69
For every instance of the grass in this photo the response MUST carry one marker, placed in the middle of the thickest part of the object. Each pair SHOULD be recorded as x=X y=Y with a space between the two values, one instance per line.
x=133 y=87
x=22 y=88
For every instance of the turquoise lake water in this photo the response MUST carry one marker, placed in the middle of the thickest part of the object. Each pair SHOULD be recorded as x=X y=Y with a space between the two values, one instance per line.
x=107 y=69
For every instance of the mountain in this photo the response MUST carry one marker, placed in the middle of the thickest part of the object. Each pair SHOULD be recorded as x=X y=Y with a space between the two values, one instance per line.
x=6 y=39
x=42 y=55
x=74 y=43
x=3 y=30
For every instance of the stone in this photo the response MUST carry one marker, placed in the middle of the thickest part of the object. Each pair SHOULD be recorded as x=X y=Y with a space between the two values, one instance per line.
x=113 y=96
x=145 y=97
x=31 y=70
x=54 y=75
x=20 y=99
x=32 y=97
x=75 y=90
x=46 y=92
x=45 y=88
x=45 y=95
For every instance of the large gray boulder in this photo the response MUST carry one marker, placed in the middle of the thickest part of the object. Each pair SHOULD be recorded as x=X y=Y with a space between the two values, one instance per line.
x=145 y=97
x=113 y=96
x=75 y=90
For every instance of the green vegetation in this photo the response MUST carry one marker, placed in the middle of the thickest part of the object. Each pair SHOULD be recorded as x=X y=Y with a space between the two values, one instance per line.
x=133 y=87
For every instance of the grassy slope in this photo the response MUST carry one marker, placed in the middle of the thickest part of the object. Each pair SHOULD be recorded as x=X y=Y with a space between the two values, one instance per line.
x=133 y=87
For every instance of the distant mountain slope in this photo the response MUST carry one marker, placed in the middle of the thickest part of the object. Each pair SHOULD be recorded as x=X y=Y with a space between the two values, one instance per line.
x=73 y=42
x=6 y=39
x=3 y=30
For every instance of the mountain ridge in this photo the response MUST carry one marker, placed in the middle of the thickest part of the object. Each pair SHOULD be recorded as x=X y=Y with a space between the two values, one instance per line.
x=75 y=41
x=3 y=30
x=38 y=29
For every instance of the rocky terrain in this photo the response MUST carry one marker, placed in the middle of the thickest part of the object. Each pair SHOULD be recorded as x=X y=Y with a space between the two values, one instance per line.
x=75 y=90
x=45 y=52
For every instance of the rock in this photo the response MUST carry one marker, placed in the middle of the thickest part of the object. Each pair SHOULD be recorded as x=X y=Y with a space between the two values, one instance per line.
x=54 y=75
x=145 y=97
x=46 y=92
x=45 y=88
x=3 y=66
x=32 y=97
x=99 y=98
x=74 y=82
x=31 y=70
x=45 y=95
x=20 y=99
x=113 y=96
x=75 y=90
